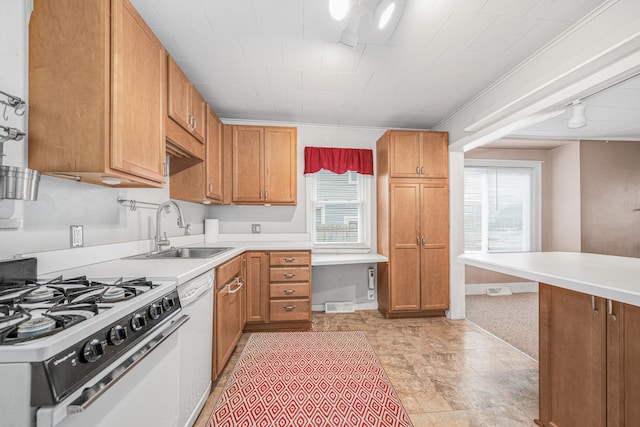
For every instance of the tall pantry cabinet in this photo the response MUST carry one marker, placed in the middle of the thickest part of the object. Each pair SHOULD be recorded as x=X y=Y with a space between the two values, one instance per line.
x=413 y=223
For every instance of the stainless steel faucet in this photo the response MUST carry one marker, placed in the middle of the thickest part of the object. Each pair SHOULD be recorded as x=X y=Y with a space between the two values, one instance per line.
x=159 y=241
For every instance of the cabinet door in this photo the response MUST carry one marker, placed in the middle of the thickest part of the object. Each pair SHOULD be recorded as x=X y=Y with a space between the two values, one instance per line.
x=404 y=262
x=572 y=358
x=257 y=283
x=248 y=166
x=137 y=95
x=199 y=113
x=280 y=159
x=214 y=161
x=178 y=95
x=434 y=228
x=623 y=362
x=404 y=154
x=229 y=321
x=434 y=161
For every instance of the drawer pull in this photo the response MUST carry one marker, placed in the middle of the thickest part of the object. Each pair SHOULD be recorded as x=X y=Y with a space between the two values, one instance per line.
x=289 y=307
x=289 y=259
x=289 y=275
x=610 y=310
x=238 y=283
x=289 y=291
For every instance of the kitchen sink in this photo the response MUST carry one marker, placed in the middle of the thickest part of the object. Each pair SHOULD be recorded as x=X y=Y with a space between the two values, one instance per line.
x=198 y=252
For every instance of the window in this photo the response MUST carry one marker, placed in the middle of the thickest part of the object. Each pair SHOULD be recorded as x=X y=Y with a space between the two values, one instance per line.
x=501 y=206
x=340 y=209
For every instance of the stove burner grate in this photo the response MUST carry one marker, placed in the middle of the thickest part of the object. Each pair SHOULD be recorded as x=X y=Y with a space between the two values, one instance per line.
x=20 y=324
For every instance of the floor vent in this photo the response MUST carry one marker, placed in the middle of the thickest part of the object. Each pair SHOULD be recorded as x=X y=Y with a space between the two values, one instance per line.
x=499 y=291
x=339 y=307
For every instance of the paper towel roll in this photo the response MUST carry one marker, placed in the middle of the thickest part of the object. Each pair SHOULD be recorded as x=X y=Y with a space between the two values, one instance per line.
x=211 y=230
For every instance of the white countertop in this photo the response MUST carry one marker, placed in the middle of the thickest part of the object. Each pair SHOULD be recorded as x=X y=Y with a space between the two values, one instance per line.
x=318 y=259
x=612 y=277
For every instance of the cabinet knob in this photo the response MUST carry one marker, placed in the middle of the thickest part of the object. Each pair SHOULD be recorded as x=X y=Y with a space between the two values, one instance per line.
x=289 y=307
x=289 y=259
x=289 y=291
x=421 y=170
x=593 y=306
x=417 y=170
x=210 y=188
x=289 y=275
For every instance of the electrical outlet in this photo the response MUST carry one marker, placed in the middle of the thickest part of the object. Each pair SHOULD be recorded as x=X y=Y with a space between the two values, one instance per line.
x=76 y=236
x=370 y=295
x=255 y=228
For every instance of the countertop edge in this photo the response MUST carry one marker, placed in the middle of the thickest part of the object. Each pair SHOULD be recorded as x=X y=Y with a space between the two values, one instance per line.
x=605 y=276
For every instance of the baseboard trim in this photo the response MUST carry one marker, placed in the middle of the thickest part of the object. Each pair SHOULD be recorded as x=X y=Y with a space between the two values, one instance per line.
x=481 y=288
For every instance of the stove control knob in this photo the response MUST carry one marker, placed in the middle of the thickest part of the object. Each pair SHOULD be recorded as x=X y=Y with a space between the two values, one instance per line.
x=93 y=349
x=118 y=334
x=155 y=310
x=138 y=321
x=167 y=303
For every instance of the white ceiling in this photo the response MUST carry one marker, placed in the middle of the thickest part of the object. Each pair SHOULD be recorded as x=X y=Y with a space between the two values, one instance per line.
x=280 y=60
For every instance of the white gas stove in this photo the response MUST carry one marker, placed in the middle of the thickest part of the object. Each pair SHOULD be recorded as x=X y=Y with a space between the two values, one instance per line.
x=75 y=338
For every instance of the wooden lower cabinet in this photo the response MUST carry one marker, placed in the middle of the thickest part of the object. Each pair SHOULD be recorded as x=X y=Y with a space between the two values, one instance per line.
x=257 y=280
x=285 y=302
x=229 y=310
x=589 y=360
x=416 y=281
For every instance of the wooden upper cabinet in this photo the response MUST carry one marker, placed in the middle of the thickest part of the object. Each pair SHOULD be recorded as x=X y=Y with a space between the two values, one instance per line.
x=201 y=181
x=100 y=116
x=248 y=164
x=214 y=160
x=185 y=105
x=417 y=154
x=264 y=165
x=280 y=160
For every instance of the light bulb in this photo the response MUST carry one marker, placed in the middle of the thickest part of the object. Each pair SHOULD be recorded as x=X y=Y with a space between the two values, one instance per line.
x=386 y=15
x=339 y=9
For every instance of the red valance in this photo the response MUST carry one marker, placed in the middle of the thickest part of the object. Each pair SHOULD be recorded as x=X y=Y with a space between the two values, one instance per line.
x=338 y=160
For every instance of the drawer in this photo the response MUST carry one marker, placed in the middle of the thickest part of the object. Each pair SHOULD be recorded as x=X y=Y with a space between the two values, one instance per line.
x=289 y=258
x=228 y=271
x=289 y=274
x=289 y=290
x=290 y=310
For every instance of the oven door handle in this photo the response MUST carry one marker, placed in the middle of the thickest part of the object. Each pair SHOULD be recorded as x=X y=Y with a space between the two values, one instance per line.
x=91 y=394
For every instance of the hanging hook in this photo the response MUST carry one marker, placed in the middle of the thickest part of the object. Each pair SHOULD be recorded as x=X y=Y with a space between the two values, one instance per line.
x=17 y=103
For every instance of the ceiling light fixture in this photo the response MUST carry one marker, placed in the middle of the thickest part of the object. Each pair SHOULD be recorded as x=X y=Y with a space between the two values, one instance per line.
x=339 y=9
x=578 y=118
x=382 y=11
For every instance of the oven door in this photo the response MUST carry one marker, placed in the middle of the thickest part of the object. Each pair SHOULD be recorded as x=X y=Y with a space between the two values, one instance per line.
x=141 y=389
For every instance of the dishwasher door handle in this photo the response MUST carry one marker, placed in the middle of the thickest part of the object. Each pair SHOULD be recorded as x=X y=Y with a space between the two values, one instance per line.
x=91 y=394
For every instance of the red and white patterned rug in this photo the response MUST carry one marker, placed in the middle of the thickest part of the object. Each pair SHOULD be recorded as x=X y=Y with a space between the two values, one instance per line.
x=308 y=379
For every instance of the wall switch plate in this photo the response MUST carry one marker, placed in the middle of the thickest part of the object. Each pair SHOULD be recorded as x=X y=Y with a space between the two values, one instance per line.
x=370 y=295
x=76 y=235
x=255 y=228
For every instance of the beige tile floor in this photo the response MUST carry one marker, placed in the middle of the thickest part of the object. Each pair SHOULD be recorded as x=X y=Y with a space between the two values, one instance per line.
x=447 y=373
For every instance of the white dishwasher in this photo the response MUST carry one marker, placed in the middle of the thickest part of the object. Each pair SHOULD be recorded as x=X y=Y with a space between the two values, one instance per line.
x=196 y=298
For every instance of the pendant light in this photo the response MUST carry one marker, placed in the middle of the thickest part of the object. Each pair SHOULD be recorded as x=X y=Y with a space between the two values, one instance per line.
x=578 y=118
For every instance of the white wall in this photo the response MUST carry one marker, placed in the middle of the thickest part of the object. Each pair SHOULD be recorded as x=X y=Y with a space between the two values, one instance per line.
x=565 y=198
x=62 y=203
x=293 y=219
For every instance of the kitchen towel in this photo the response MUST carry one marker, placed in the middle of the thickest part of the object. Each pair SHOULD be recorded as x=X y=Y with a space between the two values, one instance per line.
x=211 y=230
